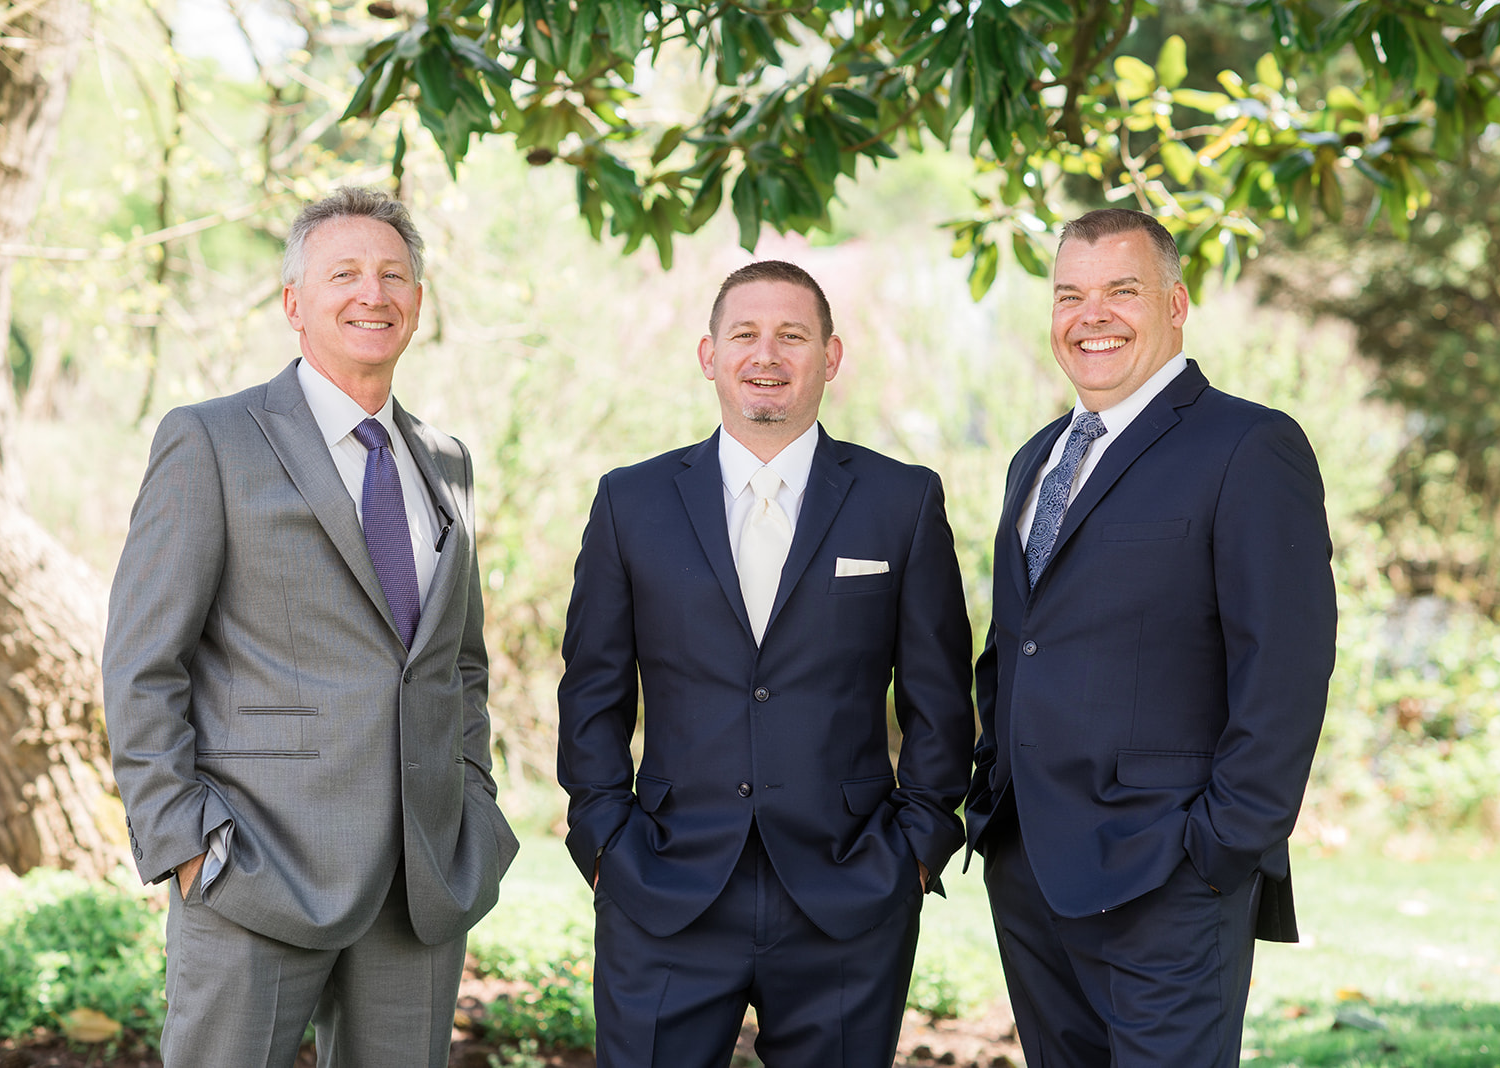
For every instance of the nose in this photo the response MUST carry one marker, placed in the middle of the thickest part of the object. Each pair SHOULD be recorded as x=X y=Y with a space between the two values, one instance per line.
x=1094 y=309
x=766 y=353
x=372 y=290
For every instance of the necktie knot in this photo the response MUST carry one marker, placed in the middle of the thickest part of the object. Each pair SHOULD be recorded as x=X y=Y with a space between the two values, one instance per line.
x=1090 y=426
x=765 y=483
x=371 y=434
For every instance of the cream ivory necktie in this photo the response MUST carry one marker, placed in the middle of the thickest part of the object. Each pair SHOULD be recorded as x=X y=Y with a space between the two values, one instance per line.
x=764 y=541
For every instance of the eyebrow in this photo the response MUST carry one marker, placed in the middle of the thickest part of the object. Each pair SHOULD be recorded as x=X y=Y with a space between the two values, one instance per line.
x=1128 y=280
x=783 y=325
x=354 y=261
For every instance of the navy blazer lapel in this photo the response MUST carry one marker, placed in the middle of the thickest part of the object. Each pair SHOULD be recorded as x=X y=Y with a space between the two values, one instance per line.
x=701 y=484
x=1158 y=417
x=426 y=452
x=293 y=434
x=1009 y=552
x=827 y=486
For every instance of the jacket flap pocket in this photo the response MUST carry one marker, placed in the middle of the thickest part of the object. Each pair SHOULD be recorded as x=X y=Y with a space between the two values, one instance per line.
x=863 y=796
x=652 y=792
x=1160 y=767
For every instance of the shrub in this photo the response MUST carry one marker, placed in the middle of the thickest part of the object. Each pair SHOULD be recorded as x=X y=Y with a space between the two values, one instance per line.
x=66 y=944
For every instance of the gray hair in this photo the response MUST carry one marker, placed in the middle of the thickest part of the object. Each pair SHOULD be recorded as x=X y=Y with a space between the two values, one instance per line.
x=347 y=202
x=1110 y=222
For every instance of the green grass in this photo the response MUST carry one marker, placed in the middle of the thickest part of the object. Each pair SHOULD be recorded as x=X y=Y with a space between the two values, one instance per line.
x=1399 y=966
x=1409 y=947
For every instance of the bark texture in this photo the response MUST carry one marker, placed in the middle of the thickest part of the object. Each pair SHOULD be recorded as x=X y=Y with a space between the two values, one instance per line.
x=57 y=804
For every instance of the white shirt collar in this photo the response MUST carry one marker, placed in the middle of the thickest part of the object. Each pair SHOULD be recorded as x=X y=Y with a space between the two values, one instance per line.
x=337 y=413
x=1119 y=417
x=793 y=463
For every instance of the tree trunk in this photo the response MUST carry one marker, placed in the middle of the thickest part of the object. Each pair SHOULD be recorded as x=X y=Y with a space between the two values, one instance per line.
x=56 y=807
x=56 y=790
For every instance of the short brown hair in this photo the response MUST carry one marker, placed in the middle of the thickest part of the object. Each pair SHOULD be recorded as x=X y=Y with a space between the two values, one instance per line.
x=1108 y=222
x=773 y=271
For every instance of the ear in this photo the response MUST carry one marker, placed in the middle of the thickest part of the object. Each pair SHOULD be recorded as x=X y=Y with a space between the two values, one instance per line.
x=706 y=356
x=833 y=355
x=289 y=305
x=1179 y=301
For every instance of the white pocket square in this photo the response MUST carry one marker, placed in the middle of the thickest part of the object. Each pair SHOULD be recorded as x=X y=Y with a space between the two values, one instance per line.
x=845 y=566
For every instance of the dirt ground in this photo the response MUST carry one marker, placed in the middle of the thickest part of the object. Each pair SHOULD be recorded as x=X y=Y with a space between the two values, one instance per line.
x=987 y=1041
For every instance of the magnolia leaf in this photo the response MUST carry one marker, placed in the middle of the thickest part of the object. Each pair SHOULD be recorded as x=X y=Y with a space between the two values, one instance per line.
x=1179 y=160
x=1268 y=73
x=1171 y=62
x=1137 y=78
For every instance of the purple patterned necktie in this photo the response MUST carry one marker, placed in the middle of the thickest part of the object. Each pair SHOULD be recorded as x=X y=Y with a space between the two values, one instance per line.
x=386 y=531
x=1057 y=487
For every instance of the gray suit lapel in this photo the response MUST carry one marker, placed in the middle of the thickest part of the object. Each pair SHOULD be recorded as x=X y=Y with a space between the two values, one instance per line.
x=701 y=485
x=426 y=452
x=293 y=435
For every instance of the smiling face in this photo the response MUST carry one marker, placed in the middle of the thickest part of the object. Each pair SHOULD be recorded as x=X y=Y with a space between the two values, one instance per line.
x=356 y=304
x=769 y=363
x=1115 y=320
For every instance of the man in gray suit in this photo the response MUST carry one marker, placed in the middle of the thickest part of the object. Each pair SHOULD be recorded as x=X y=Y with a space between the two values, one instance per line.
x=295 y=682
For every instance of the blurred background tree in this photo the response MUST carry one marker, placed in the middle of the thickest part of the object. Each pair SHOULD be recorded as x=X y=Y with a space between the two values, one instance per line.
x=148 y=277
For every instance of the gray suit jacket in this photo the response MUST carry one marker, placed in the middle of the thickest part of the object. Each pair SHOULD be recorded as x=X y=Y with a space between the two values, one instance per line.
x=253 y=673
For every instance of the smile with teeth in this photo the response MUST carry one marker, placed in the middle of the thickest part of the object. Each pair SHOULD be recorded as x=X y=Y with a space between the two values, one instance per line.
x=1101 y=344
x=766 y=383
x=369 y=324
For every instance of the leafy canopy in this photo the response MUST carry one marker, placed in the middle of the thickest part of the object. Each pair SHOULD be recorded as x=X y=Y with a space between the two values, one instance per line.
x=794 y=93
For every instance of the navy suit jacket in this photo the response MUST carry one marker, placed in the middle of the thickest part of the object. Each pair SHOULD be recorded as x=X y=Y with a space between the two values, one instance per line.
x=1160 y=692
x=793 y=733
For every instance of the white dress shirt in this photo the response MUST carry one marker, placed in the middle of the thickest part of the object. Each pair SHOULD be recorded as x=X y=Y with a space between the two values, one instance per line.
x=337 y=414
x=737 y=464
x=1116 y=419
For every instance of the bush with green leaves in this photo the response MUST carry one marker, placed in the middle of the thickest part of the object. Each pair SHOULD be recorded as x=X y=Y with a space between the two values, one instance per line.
x=68 y=944
x=553 y=1005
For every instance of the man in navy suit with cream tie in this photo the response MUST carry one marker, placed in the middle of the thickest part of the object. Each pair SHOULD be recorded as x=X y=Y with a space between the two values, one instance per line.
x=1152 y=687
x=765 y=587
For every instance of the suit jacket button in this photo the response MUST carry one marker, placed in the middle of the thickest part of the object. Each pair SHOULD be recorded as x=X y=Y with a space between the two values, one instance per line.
x=407 y=675
x=744 y=789
x=1029 y=648
x=761 y=694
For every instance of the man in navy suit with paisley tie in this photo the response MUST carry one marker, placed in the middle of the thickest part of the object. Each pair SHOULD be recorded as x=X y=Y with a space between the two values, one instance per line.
x=757 y=594
x=1153 y=684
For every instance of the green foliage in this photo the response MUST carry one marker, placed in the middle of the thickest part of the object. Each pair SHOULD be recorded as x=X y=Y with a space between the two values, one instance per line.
x=1432 y=1034
x=935 y=994
x=66 y=944
x=1426 y=310
x=1033 y=90
x=553 y=1004
x=525 y=1054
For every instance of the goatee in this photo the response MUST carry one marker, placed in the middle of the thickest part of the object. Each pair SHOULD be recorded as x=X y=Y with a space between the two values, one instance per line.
x=764 y=413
